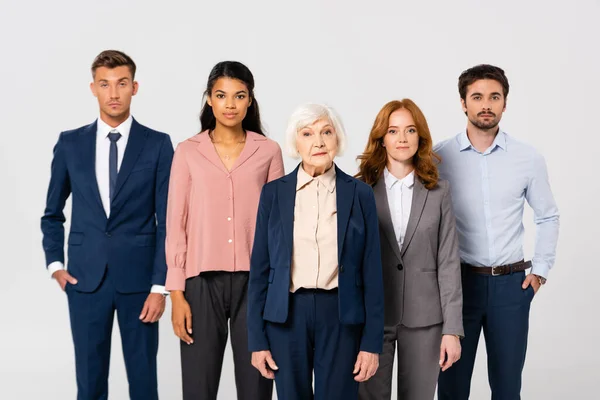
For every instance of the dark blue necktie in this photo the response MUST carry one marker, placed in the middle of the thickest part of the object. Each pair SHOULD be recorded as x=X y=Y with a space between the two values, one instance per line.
x=114 y=136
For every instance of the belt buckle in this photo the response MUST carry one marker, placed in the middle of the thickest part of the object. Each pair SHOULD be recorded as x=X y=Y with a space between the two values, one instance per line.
x=494 y=271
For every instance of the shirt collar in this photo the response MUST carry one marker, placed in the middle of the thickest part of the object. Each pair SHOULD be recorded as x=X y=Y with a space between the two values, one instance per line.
x=464 y=143
x=391 y=180
x=124 y=128
x=327 y=178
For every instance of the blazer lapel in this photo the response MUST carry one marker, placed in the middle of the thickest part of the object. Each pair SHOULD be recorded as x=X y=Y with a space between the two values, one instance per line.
x=416 y=210
x=135 y=144
x=286 y=193
x=344 y=187
x=385 y=217
x=88 y=163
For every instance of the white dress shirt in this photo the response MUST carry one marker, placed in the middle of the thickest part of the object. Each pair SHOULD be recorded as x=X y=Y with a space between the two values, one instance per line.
x=399 y=194
x=102 y=173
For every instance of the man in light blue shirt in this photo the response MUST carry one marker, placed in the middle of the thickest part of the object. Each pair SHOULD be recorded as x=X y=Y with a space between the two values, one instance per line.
x=491 y=175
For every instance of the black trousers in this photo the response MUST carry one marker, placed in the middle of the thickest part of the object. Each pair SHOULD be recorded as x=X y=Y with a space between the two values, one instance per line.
x=218 y=301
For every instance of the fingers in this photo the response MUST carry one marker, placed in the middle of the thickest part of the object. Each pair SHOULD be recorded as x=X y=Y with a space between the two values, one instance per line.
x=271 y=363
x=265 y=372
x=362 y=376
x=181 y=318
x=527 y=281
x=156 y=307
x=372 y=369
x=453 y=357
x=185 y=328
x=260 y=360
x=442 y=354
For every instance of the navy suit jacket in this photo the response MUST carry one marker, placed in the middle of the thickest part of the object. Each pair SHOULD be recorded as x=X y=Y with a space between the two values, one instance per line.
x=360 y=282
x=131 y=242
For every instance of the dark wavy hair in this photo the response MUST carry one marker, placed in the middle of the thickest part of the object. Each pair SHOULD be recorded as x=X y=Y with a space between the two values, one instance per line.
x=233 y=70
x=374 y=159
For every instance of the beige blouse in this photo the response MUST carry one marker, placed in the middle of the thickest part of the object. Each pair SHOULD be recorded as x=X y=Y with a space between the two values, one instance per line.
x=315 y=251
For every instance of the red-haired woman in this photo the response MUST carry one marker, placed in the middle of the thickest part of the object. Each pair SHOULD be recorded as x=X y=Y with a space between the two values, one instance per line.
x=419 y=249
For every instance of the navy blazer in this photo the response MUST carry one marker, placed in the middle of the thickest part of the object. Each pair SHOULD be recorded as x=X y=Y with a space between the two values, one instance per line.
x=132 y=241
x=360 y=282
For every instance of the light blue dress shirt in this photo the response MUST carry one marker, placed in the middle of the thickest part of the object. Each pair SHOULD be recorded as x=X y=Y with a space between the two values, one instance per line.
x=489 y=190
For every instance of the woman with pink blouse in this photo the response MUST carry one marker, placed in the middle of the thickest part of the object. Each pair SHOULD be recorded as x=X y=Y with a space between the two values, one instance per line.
x=216 y=180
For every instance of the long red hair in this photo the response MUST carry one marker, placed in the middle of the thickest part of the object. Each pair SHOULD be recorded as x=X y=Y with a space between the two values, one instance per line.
x=374 y=159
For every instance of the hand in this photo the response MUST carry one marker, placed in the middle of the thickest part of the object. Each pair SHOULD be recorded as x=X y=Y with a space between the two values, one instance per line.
x=181 y=317
x=366 y=365
x=532 y=279
x=264 y=363
x=153 y=309
x=62 y=277
x=449 y=351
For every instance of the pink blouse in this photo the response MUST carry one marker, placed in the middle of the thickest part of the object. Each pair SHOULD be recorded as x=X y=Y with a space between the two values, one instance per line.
x=211 y=212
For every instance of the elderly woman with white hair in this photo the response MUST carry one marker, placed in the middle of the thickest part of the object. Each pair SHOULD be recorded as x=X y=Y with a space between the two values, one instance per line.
x=315 y=294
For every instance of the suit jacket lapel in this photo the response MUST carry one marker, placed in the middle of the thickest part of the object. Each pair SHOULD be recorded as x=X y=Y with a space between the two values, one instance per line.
x=418 y=204
x=344 y=187
x=88 y=163
x=385 y=217
x=286 y=194
x=135 y=144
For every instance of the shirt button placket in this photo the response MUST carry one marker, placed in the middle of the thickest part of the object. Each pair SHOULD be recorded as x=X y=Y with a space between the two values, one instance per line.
x=231 y=227
x=486 y=206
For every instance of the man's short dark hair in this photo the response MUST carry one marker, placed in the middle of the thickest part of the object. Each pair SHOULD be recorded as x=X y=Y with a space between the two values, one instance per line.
x=482 y=71
x=113 y=59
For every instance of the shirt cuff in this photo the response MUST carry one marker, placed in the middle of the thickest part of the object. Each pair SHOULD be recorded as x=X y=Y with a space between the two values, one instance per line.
x=55 y=266
x=159 y=289
x=175 y=279
x=540 y=269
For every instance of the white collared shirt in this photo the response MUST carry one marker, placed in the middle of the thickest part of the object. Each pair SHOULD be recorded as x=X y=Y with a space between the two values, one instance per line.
x=102 y=173
x=399 y=194
x=102 y=155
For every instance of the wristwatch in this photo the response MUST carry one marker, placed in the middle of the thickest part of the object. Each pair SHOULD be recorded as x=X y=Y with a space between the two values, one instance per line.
x=541 y=280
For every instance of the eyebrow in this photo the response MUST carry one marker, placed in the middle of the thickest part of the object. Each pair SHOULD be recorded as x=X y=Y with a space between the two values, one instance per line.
x=118 y=80
x=238 y=92
x=408 y=126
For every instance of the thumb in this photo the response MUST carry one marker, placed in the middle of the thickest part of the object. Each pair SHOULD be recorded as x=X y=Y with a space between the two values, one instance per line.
x=271 y=363
x=356 y=366
x=526 y=281
x=71 y=279
x=188 y=322
x=144 y=310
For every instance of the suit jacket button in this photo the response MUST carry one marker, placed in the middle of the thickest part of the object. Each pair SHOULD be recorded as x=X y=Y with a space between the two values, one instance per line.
x=341 y=268
x=400 y=267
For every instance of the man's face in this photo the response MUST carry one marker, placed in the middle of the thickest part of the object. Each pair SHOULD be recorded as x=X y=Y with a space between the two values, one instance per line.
x=114 y=87
x=484 y=104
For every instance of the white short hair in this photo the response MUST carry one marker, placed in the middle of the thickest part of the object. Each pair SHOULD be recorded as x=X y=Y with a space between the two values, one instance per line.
x=307 y=114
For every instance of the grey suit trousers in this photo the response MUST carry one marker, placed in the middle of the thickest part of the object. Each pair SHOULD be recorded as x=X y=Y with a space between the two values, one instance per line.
x=418 y=364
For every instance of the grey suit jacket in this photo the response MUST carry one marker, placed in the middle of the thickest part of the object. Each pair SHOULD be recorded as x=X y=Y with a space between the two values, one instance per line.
x=422 y=280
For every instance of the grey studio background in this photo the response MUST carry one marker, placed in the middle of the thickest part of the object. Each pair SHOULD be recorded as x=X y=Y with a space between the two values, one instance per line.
x=352 y=54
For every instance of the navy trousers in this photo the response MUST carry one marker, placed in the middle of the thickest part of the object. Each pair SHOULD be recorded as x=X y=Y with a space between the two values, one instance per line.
x=92 y=316
x=313 y=338
x=499 y=306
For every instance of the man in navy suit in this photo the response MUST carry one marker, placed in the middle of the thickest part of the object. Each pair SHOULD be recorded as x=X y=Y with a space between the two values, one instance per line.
x=117 y=172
